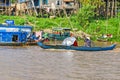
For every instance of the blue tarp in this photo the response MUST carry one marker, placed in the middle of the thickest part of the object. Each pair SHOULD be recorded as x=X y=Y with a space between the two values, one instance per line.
x=10 y=22
x=36 y=2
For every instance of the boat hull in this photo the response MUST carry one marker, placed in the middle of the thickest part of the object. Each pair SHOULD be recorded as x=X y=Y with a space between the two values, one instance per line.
x=79 y=48
x=18 y=44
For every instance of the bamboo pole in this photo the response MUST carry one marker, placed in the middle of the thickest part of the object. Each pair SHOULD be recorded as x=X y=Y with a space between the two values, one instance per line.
x=68 y=18
x=5 y=7
x=27 y=8
x=34 y=8
x=10 y=2
x=2 y=9
x=113 y=6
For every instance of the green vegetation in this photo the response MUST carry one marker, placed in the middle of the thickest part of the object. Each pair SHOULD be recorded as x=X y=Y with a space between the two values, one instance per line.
x=13 y=1
x=95 y=27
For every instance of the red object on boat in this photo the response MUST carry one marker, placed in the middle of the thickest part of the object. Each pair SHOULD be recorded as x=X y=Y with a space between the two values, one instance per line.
x=75 y=43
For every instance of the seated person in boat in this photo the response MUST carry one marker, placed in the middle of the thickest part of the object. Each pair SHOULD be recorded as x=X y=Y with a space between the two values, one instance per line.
x=87 y=42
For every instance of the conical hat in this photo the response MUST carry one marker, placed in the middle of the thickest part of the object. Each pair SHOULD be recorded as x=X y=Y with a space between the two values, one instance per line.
x=88 y=37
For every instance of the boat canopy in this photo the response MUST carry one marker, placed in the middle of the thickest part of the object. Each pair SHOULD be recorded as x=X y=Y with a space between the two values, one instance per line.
x=60 y=29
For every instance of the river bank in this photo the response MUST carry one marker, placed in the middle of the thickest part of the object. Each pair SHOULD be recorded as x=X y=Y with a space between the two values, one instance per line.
x=95 y=28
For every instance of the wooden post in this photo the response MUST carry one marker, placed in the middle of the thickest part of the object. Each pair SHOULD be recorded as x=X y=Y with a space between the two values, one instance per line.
x=27 y=8
x=115 y=12
x=34 y=8
x=68 y=18
x=5 y=7
x=112 y=9
x=10 y=7
x=2 y=8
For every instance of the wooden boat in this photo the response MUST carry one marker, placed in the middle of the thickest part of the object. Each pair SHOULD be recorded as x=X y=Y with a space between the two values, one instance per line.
x=104 y=37
x=18 y=44
x=79 y=48
x=59 y=33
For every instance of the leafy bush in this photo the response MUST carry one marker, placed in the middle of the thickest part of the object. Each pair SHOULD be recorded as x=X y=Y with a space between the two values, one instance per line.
x=85 y=14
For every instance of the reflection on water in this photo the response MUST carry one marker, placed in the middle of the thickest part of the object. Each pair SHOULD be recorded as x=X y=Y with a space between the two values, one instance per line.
x=34 y=63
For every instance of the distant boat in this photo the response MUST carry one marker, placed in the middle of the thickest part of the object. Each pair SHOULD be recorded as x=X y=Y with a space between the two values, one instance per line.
x=11 y=34
x=104 y=37
x=59 y=33
x=78 y=48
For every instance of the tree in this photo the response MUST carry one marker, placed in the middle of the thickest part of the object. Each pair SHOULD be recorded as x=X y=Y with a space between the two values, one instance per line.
x=85 y=14
x=111 y=7
x=99 y=4
x=13 y=1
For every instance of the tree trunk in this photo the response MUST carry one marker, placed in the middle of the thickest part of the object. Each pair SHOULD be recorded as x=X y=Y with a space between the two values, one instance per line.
x=5 y=7
x=108 y=10
x=115 y=11
x=112 y=8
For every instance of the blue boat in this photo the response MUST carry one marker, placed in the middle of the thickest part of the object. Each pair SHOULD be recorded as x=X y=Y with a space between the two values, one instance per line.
x=14 y=34
x=79 y=48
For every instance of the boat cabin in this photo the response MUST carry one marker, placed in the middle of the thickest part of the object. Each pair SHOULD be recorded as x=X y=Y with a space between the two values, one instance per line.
x=10 y=33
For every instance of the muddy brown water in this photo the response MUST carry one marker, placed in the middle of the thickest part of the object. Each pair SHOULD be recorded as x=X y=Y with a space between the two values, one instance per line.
x=35 y=63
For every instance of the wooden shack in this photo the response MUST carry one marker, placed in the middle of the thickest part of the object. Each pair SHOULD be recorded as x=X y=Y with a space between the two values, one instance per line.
x=4 y=3
x=38 y=7
x=49 y=7
x=5 y=6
